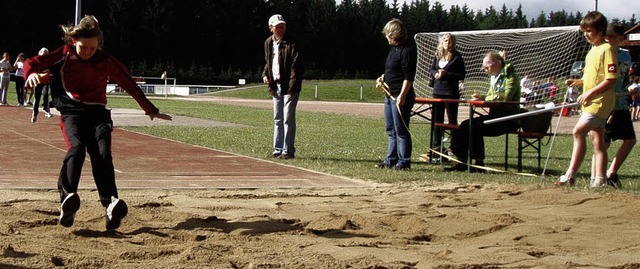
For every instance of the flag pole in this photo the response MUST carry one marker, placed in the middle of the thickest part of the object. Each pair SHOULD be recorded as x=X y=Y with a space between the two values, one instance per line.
x=78 y=11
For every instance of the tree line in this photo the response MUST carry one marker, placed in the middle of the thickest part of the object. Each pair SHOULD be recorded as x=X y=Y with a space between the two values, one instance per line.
x=220 y=41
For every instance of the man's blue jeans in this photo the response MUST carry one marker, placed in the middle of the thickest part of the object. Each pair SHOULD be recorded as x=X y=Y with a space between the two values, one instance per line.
x=284 y=119
x=397 y=127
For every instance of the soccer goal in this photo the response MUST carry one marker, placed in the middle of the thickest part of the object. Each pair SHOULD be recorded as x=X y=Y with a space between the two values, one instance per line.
x=541 y=54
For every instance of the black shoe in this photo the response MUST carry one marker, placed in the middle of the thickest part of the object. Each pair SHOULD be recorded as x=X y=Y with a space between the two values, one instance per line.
x=457 y=167
x=286 y=156
x=401 y=168
x=116 y=211
x=276 y=154
x=477 y=170
x=383 y=166
x=68 y=209
x=613 y=181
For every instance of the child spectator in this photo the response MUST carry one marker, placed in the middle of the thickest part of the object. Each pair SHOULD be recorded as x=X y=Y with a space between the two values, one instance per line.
x=619 y=126
x=597 y=100
x=634 y=89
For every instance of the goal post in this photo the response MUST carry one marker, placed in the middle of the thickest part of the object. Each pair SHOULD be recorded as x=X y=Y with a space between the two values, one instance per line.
x=542 y=54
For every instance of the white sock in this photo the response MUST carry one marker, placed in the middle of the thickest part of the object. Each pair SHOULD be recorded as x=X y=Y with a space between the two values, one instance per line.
x=598 y=182
x=569 y=174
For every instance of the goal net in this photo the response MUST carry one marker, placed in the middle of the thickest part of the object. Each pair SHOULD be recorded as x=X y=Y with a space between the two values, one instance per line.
x=542 y=54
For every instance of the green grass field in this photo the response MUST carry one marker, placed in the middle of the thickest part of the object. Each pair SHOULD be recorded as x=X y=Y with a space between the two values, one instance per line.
x=350 y=146
x=321 y=90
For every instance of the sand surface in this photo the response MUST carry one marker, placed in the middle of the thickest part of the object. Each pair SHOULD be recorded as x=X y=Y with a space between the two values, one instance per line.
x=418 y=225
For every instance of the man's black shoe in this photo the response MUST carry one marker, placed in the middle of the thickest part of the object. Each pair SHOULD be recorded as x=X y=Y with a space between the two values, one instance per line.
x=382 y=166
x=286 y=156
x=401 y=168
x=457 y=167
x=477 y=170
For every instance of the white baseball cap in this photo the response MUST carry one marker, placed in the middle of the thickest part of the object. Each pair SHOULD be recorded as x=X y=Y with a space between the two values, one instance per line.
x=276 y=19
x=43 y=51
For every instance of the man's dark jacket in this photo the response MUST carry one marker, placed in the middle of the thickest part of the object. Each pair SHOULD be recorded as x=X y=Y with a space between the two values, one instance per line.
x=291 y=65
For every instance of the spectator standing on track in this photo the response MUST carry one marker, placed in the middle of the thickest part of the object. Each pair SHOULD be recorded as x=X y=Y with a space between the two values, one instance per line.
x=619 y=126
x=80 y=70
x=5 y=77
x=19 y=79
x=399 y=73
x=597 y=100
x=42 y=90
x=283 y=73
x=447 y=70
x=504 y=86
x=635 y=99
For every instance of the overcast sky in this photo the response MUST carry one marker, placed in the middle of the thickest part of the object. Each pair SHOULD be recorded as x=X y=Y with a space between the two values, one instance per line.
x=621 y=9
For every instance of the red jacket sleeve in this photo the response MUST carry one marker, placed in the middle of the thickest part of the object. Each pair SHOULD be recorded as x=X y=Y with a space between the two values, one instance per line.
x=119 y=74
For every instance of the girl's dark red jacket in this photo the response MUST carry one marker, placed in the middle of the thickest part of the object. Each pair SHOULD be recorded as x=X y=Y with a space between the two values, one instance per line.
x=84 y=82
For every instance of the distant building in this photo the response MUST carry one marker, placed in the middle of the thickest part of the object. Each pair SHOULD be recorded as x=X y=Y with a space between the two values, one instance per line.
x=632 y=42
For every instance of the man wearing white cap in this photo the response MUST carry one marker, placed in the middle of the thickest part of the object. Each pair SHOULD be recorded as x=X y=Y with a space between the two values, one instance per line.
x=283 y=73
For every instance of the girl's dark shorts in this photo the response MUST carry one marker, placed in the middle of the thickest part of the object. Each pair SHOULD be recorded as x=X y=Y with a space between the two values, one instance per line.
x=619 y=126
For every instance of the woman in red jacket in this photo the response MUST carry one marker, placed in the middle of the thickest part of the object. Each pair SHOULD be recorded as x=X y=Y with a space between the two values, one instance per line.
x=79 y=72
